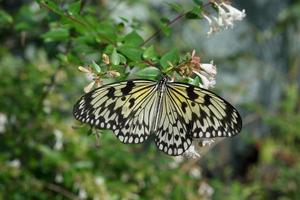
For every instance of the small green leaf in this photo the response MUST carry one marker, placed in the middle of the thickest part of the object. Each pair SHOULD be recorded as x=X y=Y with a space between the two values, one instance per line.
x=166 y=30
x=176 y=7
x=74 y=8
x=115 y=58
x=5 y=18
x=150 y=53
x=133 y=53
x=148 y=73
x=195 y=13
x=171 y=56
x=133 y=39
x=56 y=34
x=96 y=67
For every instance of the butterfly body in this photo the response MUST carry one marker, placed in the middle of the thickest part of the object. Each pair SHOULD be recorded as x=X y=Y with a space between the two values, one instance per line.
x=174 y=112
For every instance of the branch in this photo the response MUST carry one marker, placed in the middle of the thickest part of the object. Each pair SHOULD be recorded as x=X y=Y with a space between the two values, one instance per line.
x=61 y=190
x=160 y=30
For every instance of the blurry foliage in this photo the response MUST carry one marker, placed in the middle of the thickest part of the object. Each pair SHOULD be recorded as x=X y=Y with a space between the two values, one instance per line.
x=43 y=43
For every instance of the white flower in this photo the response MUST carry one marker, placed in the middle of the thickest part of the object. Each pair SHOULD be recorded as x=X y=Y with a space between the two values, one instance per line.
x=82 y=193
x=14 y=163
x=209 y=68
x=207 y=74
x=3 y=122
x=206 y=190
x=234 y=13
x=207 y=81
x=58 y=140
x=192 y=153
x=227 y=15
x=99 y=180
x=195 y=172
x=215 y=24
x=58 y=178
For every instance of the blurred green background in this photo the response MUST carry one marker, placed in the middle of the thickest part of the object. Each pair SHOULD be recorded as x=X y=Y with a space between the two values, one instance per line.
x=45 y=154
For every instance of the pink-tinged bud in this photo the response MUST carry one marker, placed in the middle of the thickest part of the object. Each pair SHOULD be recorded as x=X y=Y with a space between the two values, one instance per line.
x=89 y=87
x=84 y=69
x=113 y=73
x=105 y=59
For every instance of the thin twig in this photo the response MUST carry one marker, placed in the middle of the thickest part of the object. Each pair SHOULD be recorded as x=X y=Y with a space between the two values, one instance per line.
x=61 y=190
x=169 y=24
x=160 y=30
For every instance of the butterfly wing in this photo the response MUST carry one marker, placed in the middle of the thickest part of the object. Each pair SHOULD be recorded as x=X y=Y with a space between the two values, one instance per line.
x=172 y=136
x=205 y=114
x=126 y=108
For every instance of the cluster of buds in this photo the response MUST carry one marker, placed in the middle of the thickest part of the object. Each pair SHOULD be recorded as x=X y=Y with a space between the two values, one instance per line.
x=205 y=71
x=95 y=76
x=227 y=15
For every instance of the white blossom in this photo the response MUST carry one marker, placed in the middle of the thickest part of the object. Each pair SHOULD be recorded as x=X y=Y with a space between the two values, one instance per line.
x=58 y=139
x=227 y=15
x=58 y=178
x=207 y=74
x=3 y=122
x=205 y=190
x=82 y=193
x=209 y=68
x=16 y=163
x=191 y=152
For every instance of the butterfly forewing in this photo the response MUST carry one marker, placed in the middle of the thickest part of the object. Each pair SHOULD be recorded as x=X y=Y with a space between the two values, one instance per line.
x=205 y=114
x=126 y=108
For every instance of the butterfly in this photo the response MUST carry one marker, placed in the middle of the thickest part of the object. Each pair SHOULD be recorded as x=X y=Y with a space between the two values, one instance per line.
x=174 y=112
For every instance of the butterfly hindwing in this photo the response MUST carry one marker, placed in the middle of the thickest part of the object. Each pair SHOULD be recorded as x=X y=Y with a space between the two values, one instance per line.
x=205 y=114
x=172 y=136
x=123 y=107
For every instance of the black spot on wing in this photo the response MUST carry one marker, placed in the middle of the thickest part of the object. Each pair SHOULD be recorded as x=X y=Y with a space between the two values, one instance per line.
x=191 y=93
x=207 y=100
x=131 y=102
x=183 y=107
x=111 y=92
x=127 y=88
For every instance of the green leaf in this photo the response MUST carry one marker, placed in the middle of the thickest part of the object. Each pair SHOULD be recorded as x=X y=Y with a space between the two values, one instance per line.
x=74 y=8
x=96 y=67
x=148 y=73
x=106 y=31
x=176 y=7
x=133 y=39
x=195 y=13
x=115 y=58
x=5 y=18
x=52 y=5
x=198 y=2
x=56 y=34
x=166 y=30
x=150 y=53
x=171 y=56
x=131 y=52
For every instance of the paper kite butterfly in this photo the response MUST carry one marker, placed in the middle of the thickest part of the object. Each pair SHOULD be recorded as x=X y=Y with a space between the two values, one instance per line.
x=174 y=112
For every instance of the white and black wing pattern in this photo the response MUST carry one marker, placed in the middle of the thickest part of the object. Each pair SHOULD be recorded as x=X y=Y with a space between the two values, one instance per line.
x=172 y=136
x=204 y=113
x=126 y=108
